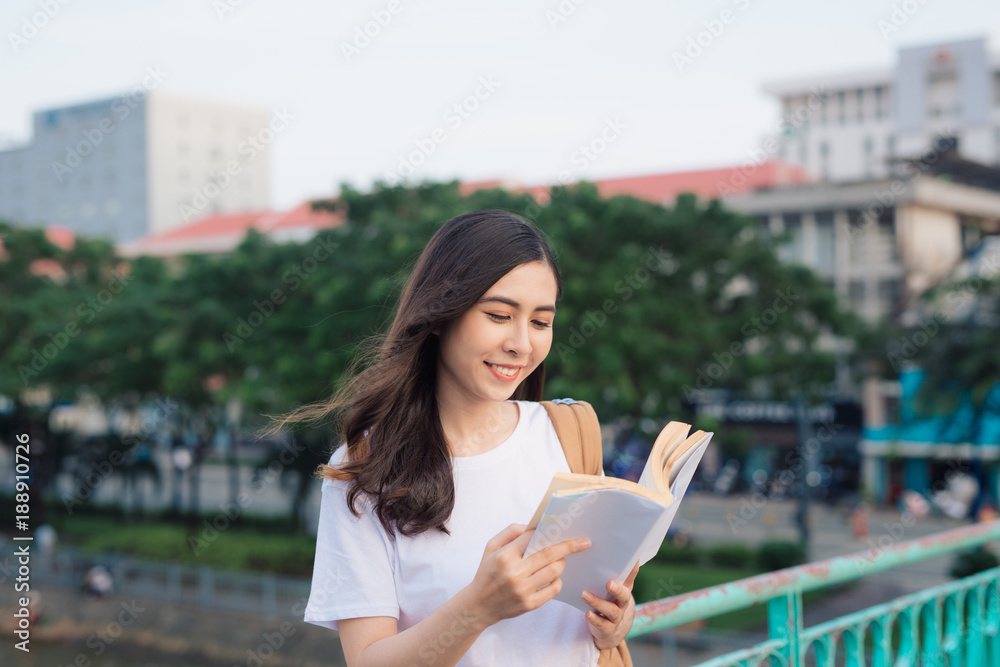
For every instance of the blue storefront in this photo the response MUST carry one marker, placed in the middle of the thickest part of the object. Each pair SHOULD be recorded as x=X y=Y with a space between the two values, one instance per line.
x=920 y=453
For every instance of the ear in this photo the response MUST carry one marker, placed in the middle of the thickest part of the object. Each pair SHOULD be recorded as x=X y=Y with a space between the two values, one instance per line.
x=436 y=331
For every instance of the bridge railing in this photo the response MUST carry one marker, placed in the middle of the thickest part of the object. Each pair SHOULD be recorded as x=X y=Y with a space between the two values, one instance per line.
x=956 y=623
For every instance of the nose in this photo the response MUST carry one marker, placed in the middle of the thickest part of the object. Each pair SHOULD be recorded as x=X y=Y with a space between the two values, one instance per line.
x=518 y=340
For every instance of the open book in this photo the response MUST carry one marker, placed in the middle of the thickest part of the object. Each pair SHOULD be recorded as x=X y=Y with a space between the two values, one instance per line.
x=625 y=521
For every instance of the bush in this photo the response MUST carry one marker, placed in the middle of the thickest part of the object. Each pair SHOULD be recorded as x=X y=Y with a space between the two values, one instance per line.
x=779 y=554
x=672 y=553
x=653 y=582
x=972 y=562
x=731 y=555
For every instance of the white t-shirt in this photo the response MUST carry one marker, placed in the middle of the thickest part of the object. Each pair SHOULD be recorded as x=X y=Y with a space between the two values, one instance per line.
x=360 y=571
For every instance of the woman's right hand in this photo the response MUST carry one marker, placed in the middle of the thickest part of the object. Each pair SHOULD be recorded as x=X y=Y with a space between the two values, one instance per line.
x=506 y=585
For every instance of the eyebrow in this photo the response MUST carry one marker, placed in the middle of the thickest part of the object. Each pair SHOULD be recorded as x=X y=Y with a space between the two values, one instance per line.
x=514 y=304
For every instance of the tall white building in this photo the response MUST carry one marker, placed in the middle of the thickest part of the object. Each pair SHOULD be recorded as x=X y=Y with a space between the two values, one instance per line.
x=144 y=162
x=934 y=91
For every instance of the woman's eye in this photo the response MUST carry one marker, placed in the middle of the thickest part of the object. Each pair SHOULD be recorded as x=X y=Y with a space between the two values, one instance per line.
x=542 y=325
x=498 y=318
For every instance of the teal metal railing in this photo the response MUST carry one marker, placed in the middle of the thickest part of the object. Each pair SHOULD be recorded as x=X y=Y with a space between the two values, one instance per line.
x=953 y=624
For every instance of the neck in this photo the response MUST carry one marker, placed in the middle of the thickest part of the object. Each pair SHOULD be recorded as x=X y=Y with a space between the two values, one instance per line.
x=474 y=427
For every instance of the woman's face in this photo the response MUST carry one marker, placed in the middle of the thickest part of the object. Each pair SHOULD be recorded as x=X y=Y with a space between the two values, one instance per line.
x=497 y=343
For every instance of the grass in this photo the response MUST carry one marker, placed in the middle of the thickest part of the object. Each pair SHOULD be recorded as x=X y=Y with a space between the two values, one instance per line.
x=242 y=546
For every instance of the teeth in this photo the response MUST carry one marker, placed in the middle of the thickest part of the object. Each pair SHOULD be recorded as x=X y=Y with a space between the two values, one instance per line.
x=503 y=371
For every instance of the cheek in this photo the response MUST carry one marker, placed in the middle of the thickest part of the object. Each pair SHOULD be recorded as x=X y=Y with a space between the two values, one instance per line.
x=542 y=345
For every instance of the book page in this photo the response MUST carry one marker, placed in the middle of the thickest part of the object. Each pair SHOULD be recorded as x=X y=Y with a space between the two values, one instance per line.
x=615 y=522
x=683 y=471
x=688 y=463
x=670 y=438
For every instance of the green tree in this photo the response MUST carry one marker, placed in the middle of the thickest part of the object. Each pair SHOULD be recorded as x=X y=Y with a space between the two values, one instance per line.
x=955 y=344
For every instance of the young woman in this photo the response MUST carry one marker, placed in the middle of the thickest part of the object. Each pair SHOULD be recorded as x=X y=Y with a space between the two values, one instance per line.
x=419 y=552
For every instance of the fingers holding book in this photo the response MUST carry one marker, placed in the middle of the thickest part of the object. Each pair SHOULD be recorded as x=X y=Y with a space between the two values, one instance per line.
x=507 y=584
x=612 y=619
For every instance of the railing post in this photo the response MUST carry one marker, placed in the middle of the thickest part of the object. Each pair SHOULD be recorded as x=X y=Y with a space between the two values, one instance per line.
x=854 y=648
x=908 y=621
x=954 y=628
x=882 y=641
x=784 y=622
x=930 y=643
x=974 y=615
x=991 y=620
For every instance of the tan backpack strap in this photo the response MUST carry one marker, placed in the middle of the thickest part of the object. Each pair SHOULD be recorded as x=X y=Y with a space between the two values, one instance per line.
x=579 y=433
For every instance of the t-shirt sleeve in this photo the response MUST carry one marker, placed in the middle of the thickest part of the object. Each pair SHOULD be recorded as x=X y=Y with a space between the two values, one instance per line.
x=353 y=572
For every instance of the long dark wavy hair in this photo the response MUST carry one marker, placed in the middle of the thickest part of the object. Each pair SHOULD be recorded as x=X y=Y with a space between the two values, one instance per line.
x=396 y=450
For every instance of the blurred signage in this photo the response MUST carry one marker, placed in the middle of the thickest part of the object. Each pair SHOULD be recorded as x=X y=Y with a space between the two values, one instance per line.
x=775 y=412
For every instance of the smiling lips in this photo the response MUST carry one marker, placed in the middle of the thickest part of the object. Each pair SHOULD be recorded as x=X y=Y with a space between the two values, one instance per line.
x=505 y=373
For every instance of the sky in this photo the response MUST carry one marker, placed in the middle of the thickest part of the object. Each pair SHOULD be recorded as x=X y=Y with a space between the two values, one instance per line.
x=443 y=89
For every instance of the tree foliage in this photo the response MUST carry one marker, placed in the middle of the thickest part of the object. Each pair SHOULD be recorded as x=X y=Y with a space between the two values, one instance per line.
x=955 y=345
x=658 y=302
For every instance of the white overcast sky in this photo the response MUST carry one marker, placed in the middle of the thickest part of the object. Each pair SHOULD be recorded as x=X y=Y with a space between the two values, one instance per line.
x=558 y=86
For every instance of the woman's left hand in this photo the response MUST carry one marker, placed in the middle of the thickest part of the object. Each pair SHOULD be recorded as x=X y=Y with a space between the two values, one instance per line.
x=612 y=619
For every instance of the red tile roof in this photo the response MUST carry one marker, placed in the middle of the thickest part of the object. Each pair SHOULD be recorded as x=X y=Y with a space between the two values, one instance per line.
x=664 y=188
x=224 y=232
x=58 y=235
x=213 y=225
x=61 y=236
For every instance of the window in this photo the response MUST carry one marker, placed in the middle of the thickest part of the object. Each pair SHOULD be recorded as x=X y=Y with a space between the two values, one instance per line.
x=826 y=242
x=889 y=293
x=857 y=237
x=861 y=104
x=824 y=157
x=842 y=104
x=869 y=146
x=791 y=251
x=890 y=145
x=856 y=293
x=886 y=237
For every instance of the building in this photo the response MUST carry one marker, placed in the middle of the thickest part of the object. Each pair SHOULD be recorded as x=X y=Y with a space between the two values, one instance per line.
x=222 y=233
x=904 y=449
x=140 y=163
x=880 y=243
x=867 y=119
